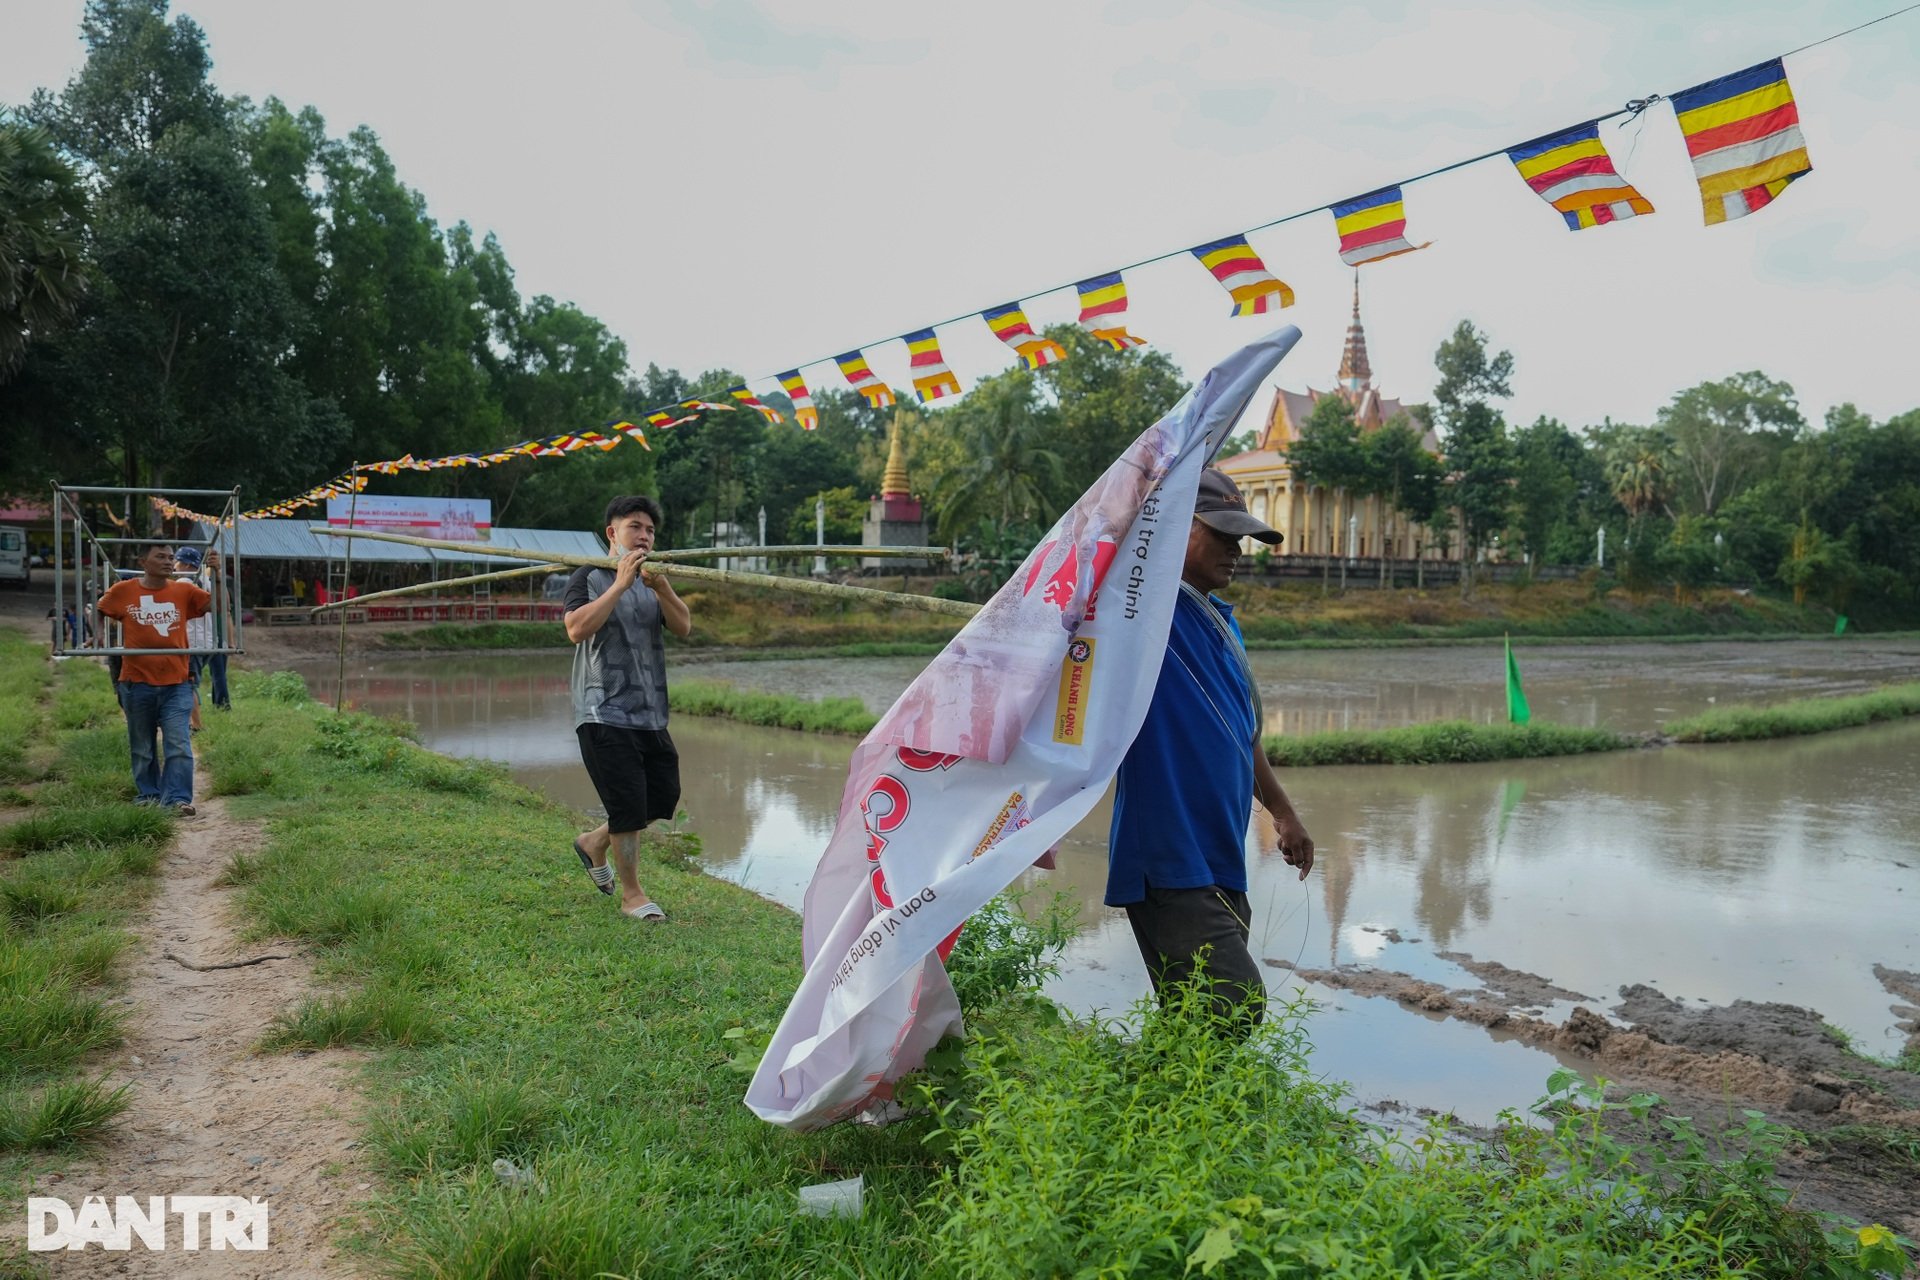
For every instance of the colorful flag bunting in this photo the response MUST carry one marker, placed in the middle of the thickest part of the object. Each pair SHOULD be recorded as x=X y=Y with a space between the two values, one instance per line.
x=753 y=402
x=853 y=366
x=1103 y=303
x=699 y=405
x=1571 y=171
x=796 y=388
x=931 y=377
x=1372 y=227
x=1743 y=132
x=1009 y=324
x=661 y=420
x=1238 y=268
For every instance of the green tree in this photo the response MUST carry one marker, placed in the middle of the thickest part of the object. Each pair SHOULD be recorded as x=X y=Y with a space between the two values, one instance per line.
x=1544 y=483
x=1723 y=434
x=175 y=368
x=1104 y=399
x=1404 y=476
x=1012 y=469
x=43 y=273
x=1480 y=457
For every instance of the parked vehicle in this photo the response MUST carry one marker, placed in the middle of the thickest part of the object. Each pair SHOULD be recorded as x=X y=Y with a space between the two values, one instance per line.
x=14 y=569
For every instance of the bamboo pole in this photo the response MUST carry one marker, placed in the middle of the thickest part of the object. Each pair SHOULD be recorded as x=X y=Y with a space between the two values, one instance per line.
x=522 y=572
x=714 y=553
x=691 y=573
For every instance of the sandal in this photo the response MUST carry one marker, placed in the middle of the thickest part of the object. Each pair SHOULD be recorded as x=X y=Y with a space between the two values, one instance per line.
x=646 y=911
x=602 y=875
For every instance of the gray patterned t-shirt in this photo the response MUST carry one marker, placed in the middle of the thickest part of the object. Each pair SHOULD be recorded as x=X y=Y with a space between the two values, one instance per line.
x=620 y=671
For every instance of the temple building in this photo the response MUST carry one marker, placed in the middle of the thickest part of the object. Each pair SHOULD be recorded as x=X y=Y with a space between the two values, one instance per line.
x=895 y=518
x=1330 y=522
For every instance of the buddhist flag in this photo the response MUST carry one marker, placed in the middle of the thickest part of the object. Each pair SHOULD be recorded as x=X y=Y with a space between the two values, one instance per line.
x=1009 y=324
x=854 y=366
x=661 y=420
x=796 y=388
x=1372 y=227
x=700 y=406
x=754 y=403
x=1743 y=132
x=996 y=751
x=1517 y=710
x=1571 y=171
x=1240 y=272
x=638 y=435
x=1103 y=306
x=931 y=377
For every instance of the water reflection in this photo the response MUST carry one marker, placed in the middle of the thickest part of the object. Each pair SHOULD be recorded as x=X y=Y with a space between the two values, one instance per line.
x=1776 y=871
x=1310 y=691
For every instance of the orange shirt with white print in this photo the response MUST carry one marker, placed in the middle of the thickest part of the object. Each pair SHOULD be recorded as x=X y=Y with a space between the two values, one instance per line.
x=153 y=619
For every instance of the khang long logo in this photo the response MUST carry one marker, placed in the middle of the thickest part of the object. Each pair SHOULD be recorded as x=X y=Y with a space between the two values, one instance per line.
x=205 y=1222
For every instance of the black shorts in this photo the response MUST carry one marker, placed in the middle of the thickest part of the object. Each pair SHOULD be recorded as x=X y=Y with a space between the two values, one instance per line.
x=635 y=771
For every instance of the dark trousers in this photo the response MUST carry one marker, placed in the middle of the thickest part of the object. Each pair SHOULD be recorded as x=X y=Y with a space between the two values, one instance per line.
x=215 y=665
x=1182 y=932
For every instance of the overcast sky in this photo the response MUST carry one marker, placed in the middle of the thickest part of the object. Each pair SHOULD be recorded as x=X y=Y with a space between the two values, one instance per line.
x=753 y=184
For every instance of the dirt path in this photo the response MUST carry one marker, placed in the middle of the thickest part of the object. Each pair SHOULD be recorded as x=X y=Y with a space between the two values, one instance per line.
x=209 y=1116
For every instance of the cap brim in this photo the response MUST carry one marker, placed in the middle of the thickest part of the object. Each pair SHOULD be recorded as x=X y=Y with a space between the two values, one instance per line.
x=1240 y=525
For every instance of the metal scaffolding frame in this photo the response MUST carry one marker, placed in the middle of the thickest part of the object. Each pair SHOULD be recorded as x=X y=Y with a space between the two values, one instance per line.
x=71 y=525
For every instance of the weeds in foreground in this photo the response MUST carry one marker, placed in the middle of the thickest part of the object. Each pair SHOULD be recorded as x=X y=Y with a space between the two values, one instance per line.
x=1080 y=1151
x=95 y=826
x=375 y=1015
x=61 y=1115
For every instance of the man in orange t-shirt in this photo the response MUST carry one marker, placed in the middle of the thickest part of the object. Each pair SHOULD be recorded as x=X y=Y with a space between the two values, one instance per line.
x=153 y=611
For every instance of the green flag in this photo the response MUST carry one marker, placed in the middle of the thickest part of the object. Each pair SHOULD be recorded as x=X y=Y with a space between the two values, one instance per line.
x=1517 y=710
x=1840 y=624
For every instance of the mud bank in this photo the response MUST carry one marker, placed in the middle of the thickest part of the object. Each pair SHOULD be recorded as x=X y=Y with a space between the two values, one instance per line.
x=1707 y=1063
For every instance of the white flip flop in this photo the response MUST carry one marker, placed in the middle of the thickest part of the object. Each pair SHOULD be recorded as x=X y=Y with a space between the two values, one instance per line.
x=645 y=911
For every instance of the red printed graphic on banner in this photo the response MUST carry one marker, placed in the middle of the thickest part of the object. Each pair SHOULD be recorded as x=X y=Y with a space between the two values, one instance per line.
x=1059 y=589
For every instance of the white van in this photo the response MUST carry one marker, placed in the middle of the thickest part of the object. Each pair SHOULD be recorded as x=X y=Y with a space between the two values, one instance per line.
x=13 y=556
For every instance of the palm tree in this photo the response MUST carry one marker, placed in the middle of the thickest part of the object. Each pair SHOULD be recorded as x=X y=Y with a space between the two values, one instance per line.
x=1008 y=475
x=42 y=274
x=1638 y=472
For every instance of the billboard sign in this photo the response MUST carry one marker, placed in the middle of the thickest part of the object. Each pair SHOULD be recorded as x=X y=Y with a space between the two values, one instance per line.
x=455 y=519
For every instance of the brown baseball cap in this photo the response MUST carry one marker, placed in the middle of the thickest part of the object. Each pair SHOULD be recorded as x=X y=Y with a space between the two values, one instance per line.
x=1220 y=506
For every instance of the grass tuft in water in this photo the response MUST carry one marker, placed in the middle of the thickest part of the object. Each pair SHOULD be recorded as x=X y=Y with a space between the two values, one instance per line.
x=1793 y=719
x=1443 y=742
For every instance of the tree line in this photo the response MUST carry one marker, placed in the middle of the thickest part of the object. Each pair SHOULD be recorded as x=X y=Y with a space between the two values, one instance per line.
x=199 y=291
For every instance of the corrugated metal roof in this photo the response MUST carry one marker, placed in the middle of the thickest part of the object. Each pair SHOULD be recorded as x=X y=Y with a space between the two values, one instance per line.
x=290 y=540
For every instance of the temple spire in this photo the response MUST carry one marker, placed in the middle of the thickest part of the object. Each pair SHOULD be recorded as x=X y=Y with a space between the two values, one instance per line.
x=894 y=483
x=1356 y=375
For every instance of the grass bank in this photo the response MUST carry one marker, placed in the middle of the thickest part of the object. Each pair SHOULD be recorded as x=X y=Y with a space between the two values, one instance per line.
x=1275 y=617
x=518 y=1016
x=775 y=710
x=1443 y=742
x=76 y=862
x=1793 y=719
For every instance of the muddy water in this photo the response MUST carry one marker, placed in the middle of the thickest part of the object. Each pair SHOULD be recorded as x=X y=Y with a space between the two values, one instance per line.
x=1775 y=871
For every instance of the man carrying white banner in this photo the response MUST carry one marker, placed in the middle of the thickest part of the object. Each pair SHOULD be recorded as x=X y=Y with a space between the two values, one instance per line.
x=1005 y=741
x=1177 y=853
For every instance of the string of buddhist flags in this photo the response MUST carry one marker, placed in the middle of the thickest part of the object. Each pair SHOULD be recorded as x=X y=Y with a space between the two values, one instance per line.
x=1741 y=130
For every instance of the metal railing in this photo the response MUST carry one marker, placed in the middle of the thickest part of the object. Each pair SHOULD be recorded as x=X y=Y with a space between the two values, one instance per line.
x=93 y=576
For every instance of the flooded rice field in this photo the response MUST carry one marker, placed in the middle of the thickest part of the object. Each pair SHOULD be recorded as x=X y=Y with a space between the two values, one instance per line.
x=1781 y=871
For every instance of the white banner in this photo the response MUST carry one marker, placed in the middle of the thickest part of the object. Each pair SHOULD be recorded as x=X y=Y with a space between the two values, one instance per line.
x=988 y=759
x=455 y=519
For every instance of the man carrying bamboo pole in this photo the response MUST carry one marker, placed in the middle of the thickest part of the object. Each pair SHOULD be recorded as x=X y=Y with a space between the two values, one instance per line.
x=614 y=617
